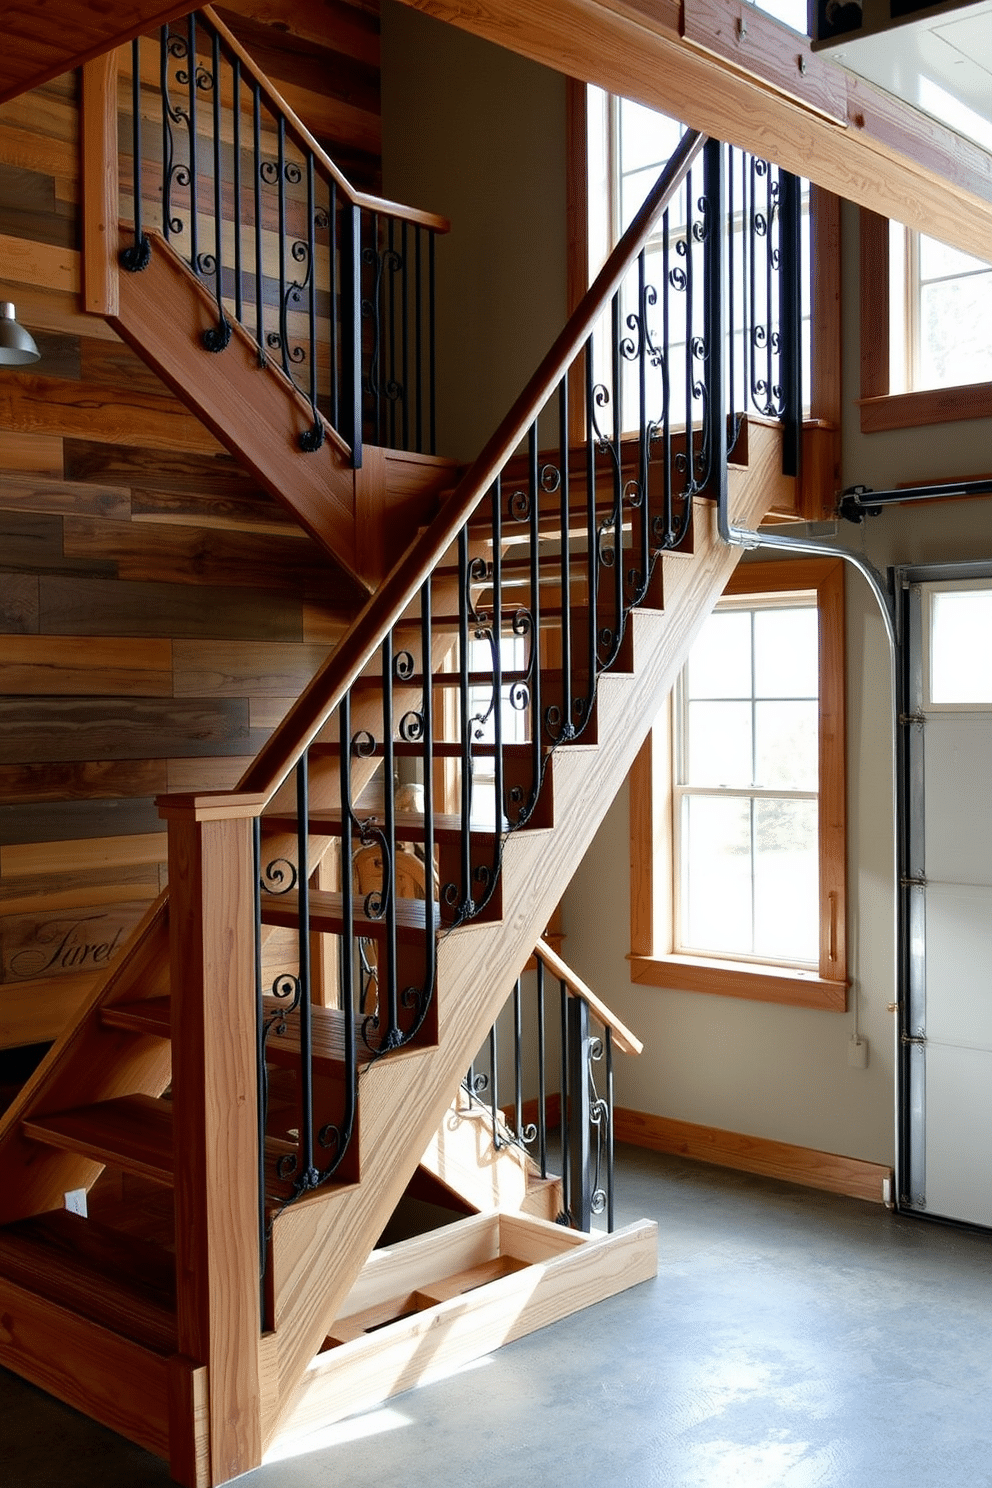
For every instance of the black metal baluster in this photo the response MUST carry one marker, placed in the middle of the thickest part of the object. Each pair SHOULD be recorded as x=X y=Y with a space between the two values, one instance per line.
x=610 y=1166
x=311 y=439
x=391 y=370
x=666 y=350
x=534 y=660
x=567 y=722
x=257 y=180
x=542 y=1096
x=580 y=1187
x=260 y=1070
x=432 y=355
x=791 y=321
x=392 y=1036
x=462 y=895
x=418 y=351
x=216 y=338
x=617 y=461
x=239 y=309
x=731 y=233
x=494 y=1110
x=714 y=280
x=347 y=944
x=281 y=199
x=565 y=1118
x=194 y=183
x=639 y=585
x=168 y=142
x=427 y=735
x=592 y=534
x=351 y=329
x=137 y=256
x=405 y=311
x=333 y=228
x=500 y=806
x=518 y=1061
x=306 y=1176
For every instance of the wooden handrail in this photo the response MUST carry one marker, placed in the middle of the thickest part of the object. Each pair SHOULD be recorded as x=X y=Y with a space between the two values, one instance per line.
x=622 y=1036
x=314 y=706
x=304 y=138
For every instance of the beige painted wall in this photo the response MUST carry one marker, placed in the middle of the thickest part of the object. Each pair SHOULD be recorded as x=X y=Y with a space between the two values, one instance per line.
x=774 y=1072
x=478 y=134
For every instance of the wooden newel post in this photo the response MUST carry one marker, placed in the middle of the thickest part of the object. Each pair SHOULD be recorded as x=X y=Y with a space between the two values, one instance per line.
x=211 y=929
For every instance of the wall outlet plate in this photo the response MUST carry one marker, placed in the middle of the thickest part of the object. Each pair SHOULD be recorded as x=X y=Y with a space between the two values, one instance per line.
x=857 y=1052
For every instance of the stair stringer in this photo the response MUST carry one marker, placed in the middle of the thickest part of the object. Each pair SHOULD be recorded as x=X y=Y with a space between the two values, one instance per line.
x=319 y=1247
x=362 y=518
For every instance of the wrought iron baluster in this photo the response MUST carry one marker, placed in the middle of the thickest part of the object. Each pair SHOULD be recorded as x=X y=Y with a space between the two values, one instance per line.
x=392 y=1035
x=791 y=320
x=347 y=944
x=194 y=182
x=426 y=725
x=542 y=1079
x=216 y=338
x=518 y=1062
x=565 y=728
x=239 y=309
x=257 y=184
x=418 y=353
x=534 y=660
x=391 y=384
x=311 y=439
x=494 y=1109
x=610 y=1165
x=260 y=1069
x=432 y=357
x=500 y=805
x=405 y=314
x=138 y=255
x=580 y=1185
x=714 y=282
x=351 y=328
x=592 y=534
x=334 y=227
x=642 y=516
x=669 y=539
x=306 y=1176
x=460 y=895
x=281 y=202
x=565 y=1126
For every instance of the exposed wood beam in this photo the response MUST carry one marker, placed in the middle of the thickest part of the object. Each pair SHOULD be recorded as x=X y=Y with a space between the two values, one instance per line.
x=750 y=88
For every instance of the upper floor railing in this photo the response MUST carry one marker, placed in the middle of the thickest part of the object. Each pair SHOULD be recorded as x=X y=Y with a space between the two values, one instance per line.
x=336 y=287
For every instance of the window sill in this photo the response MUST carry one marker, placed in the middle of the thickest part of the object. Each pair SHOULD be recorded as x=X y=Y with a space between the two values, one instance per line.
x=782 y=984
x=929 y=406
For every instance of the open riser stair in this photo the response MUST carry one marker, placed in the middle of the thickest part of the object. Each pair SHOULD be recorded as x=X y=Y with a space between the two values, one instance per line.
x=274 y=1055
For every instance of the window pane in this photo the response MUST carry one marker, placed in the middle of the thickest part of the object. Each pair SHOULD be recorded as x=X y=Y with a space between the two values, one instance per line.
x=955 y=321
x=786 y=881
x=960 y=670
x=716 y=884
x=720 y=660
x=720 y=748
x=646 y=137
x=786 y=745
x=936 y=259
x=786 y=653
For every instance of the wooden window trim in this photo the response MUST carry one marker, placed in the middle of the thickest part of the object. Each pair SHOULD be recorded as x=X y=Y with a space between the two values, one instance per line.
x=652 y=960
x=881 y=409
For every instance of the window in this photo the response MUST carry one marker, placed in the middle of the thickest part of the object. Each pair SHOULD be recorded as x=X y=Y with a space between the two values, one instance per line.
x=737 y=800
x=940 y=314
x=926 y=330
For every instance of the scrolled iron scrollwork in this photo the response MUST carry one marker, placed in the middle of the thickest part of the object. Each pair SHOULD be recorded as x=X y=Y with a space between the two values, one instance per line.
x=280 y=876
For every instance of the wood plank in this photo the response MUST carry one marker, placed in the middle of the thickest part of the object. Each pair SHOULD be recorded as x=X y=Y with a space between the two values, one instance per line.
x=54 y=821
x=96 y=666
x=255 y=513
x=85 y=728
x=34 y=151
x=197 y=775
x=273 y=669
x=154 y=553
x=42 y=308
x=54 y=1003
x=92 y=607
x=96 y=1371
x=928 y=406
x=84 y=854
x=433 y=1343
x=213 y=475
x=35 y=455
x=890 y=157
x=33 y=404
x=874 y=320
x=19 y=604
x=349 y=29
x=46 y=944
x=791 y=1164
x=81 y=780
x=40 y=265
x=19 y=493
x=115 y=365
x=132 y=1132
x=58 y=890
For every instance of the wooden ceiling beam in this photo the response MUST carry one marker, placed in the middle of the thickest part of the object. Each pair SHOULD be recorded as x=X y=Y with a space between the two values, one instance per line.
x=729 y=70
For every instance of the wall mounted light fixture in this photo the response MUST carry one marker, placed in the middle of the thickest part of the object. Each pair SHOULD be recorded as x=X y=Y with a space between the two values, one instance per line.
x=17 y=346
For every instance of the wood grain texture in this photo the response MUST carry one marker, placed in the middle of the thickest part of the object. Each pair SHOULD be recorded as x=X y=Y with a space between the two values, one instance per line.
x=83 y=854
x=889 y=157
x=22 y=494
x=99 y=183
x=805 y=1165
x=43 y=1015
x=88 y=728
x=270 y=669
x=33 y=404
x=87 y=607
x=68 y=665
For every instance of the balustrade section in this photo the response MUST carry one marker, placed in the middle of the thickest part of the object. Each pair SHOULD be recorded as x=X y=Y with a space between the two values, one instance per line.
x=335 y=287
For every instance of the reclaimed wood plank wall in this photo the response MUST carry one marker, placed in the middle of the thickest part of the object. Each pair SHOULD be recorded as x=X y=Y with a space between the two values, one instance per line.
x=158 y=612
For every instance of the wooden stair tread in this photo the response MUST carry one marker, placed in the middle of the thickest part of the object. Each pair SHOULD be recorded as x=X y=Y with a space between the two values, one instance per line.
x=152 y=1015
x=409 y=825
x=327 y=1033
x=122 y=1283
x=327 y=916
x=133 y=1132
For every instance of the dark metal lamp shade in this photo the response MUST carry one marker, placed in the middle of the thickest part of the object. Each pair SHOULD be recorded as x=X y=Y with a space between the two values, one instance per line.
x=17 y=346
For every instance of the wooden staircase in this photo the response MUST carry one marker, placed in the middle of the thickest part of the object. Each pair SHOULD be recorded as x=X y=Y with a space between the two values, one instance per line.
x=172 y=1341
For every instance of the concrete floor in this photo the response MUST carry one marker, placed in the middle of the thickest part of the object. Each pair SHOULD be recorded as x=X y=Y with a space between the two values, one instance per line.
x=791 y=1338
